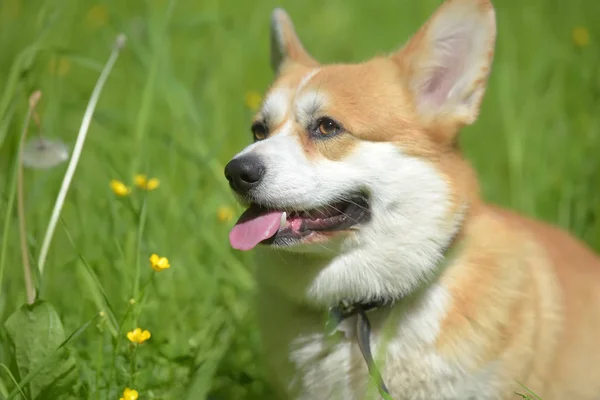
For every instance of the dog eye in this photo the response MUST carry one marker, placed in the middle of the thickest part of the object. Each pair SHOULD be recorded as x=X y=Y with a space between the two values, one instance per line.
x=327 y=127
x=259 y=130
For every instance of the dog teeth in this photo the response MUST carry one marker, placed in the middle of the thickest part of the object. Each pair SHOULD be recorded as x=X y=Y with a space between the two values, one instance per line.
x=283 y=220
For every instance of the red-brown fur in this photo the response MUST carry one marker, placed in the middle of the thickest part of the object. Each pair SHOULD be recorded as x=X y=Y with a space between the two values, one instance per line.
x=523 y=292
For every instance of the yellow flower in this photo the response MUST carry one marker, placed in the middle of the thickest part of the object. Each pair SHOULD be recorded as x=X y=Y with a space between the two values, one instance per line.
x=140 y=180
x=143 y=182
x=138 y=336
x=581 y=36
x=152 y=184
x=97 y=16
x=224 y=214
x=253 y=100
x=119 y=188
x=130 y=394
x=59 y=66
x=159 y=263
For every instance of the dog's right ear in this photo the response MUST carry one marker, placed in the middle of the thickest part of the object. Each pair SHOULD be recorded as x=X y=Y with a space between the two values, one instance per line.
x=286 y=48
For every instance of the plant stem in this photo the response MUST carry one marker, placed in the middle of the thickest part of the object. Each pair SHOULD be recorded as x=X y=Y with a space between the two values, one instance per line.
x=117 y=344
x=9 y=206
x=132 y=366
x=29 y=287
x=141 y=226
x=85 y=124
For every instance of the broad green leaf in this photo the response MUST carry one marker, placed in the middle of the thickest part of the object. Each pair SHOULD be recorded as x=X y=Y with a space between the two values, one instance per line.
x=36 y=332
x=50 y=360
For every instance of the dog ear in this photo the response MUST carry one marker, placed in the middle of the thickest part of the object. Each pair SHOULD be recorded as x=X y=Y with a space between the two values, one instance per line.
x=447 y=62
x=286 y=47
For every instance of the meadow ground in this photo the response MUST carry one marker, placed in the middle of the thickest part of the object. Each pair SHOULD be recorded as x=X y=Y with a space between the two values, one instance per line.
x=176 y=107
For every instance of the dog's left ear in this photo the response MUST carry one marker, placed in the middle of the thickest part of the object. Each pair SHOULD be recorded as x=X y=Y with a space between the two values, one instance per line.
x=447 y=62
x=286 y=47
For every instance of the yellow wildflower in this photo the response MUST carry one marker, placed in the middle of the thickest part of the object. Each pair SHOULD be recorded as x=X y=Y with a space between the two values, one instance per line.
x=253 y=100
x=224 y=214
x=130 y=394
x=152 y=184
x=97 y=16
x=143 y=182
x=138 y=336
x=59 y=66
x=581 y=36
x=159 y=263
x=119 y=188
x=140 y=180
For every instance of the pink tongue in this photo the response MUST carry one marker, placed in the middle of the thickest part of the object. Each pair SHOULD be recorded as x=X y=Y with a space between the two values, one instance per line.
x=252 y=228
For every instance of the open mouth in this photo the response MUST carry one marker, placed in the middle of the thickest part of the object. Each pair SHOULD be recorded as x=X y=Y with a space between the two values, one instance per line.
x=259 y=224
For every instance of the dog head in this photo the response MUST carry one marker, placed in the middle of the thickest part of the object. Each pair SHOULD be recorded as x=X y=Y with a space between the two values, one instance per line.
x=360 y=161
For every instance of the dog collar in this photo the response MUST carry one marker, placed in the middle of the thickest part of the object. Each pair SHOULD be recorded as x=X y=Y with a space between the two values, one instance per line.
x=346 y=309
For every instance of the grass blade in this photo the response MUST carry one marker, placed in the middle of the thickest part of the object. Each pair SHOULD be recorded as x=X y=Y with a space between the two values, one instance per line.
x=529 y=390
x=13 y=78
x=85 y=124
x=96 y=288
x=14 y=381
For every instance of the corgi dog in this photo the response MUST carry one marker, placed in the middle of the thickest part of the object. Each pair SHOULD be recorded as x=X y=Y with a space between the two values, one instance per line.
x=357 y=193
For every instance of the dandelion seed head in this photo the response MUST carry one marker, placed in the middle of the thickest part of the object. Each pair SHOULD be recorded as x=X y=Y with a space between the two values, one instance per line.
x=43 y=153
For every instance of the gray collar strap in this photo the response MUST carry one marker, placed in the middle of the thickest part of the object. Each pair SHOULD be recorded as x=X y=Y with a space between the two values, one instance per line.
x=343 y=311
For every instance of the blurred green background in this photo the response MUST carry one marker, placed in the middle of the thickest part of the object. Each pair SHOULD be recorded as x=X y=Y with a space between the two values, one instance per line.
x=178 y=105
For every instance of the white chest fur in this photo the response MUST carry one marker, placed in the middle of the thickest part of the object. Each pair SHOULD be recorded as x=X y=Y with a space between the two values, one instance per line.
x=307 y=364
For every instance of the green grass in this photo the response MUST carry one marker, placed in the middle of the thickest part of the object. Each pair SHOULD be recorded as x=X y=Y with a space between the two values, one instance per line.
x=174 y=108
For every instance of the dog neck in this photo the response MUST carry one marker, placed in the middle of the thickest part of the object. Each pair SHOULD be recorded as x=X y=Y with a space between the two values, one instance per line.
x=292 y=275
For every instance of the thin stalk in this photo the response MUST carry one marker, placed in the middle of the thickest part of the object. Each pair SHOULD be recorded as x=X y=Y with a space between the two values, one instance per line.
x=85 y=124
x=140 y=233
x=133 y=365
x=99 y=364
x=29 y=287
x=112 y=372
x=12 y=190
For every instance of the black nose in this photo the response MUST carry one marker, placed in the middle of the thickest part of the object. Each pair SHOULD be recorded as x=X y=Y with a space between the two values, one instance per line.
x=244 y=173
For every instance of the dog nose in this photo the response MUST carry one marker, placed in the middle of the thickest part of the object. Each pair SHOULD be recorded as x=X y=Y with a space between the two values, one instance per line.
x=244 y=173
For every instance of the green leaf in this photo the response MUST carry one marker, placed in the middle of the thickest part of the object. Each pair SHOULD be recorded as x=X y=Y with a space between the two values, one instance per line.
x=56 y=355
x=36 y=332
